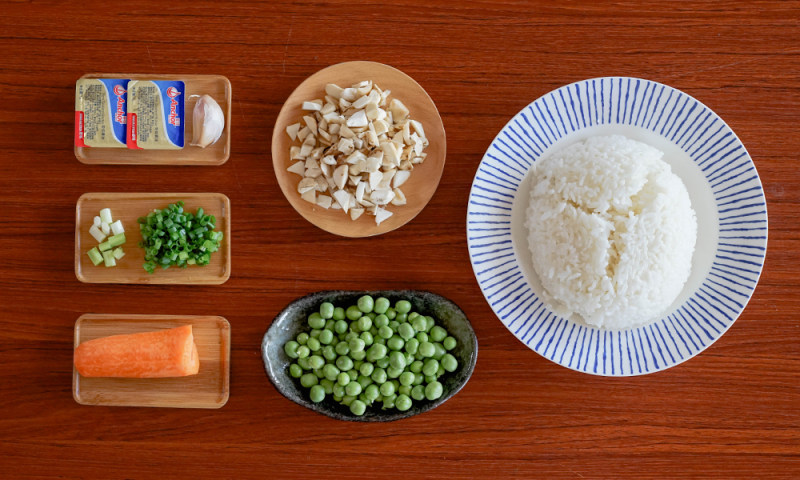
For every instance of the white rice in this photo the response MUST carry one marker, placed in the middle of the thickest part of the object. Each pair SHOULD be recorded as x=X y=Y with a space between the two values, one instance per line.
x=611 y=230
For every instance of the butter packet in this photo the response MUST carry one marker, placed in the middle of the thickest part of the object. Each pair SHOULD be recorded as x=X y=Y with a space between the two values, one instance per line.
x=100 y=113
x=156 y=113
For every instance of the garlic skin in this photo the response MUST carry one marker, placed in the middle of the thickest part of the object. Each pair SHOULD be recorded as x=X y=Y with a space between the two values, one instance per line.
x=209 y=121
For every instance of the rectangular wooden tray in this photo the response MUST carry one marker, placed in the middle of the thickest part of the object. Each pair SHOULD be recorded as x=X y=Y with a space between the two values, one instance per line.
x=216 y=86
x=210 y=388
x=128 y=207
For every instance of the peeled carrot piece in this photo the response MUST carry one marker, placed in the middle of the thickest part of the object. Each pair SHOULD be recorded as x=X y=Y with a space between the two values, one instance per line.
x=164 y=353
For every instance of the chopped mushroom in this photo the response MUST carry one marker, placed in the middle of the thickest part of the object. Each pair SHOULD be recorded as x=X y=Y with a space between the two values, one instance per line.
x=359 y=146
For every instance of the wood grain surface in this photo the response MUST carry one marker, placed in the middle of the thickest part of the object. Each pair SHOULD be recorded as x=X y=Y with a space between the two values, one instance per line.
x=731 y=412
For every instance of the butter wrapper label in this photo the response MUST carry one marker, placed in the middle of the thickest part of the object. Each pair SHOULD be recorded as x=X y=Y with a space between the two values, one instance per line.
x=156 y=114
x=100 y=112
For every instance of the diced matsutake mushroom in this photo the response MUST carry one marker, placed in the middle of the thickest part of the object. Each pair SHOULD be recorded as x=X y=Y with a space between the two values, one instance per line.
x=292 y=130
x=324 y=201
x=314 y=106
x=381 y=215
x=355 y=213
x=400 y=178
x=310 y=196
x=343 y=198
x=306 y=184
x=298 y=168
x=340 y=176
x=399 y=197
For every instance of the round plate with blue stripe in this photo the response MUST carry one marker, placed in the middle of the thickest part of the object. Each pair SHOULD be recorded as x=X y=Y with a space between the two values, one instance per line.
x=723 y=185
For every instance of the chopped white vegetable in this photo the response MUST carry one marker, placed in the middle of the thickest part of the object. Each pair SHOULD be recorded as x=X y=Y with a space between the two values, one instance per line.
x=381 y=215
x=118 y=253
x=324 y=201
x=97 y=221
x=116 y=227
x=97 y=234
x=400 y=178
x=298 y=168
x=355 y=213
x=343 y=198
x=105 y=215
x=314 y=106
x=105 y=228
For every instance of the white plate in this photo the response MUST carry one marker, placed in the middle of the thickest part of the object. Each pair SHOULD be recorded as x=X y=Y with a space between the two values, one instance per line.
x=726 y=194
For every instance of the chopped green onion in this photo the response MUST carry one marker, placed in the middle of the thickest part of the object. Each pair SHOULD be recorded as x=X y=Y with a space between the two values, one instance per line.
x=116 y=240
x=108 y=257
x=95 y=256
x=118 y=253
x=105 y=246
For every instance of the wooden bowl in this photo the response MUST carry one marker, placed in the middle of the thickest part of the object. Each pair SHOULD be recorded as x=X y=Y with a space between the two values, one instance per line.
x=419 y=188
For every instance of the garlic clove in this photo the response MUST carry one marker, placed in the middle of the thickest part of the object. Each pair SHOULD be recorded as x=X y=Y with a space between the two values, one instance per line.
x=209 y=122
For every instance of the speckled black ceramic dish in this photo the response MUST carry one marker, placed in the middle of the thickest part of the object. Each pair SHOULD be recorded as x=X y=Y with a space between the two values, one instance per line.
x=292 y=320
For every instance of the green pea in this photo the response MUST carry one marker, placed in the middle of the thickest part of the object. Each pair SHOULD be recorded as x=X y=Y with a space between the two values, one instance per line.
x=391 y=313
x=317 y=393
x=395 y=343
x=338 y=313
x=380 y=340
x=371 y=315
x=326 y=336
x=419 y=379
x=426 y=349
x=440 y=371
x=327 y=385
x=394 y=324
x=403 y=306
x=433 y=390
x=372 y=392
x=331 y=372
x=449 y=343
x=412 y=316
x=438 y=351
x=329 y=353
x=412 y=345
x=378 y=376
x=419 y=323
x=344 y=363
x=438 y=333
x=387 y=389
x=326 y=310
x=343 y=379
x=382 y=362
x=350 y=335
x=367 y=338
x=295 y=370
x=429 y=323
x=396 y=360
x=356 y=364
x=342 y=348
x=415 y=366
x=381 y=321
x=308 y=380
x=340 y=326
x=366 y=304
x=357 y=407
x=364 y=380
x=385 y=332
x=358 y=355
x=449 y=363
x=338 y=388
x=388 y=401
x=418 y=392
x=353 y=388
x=303 y=351
x=401 y=317
x=313 y=344
x=406 y=331
x=364 y=323
x=376 y=352
x=318 y=373
x=353 y=373
x=316 y=362
x=302 y=338
x=291 y=349
x=431 y=367
x=366 y=369
x=356 y=345
x=381 y=305
x=364 y=399
x=303 y=363
x=404 y=390
x=430 y=378
x=406 y=378
x=353 y=313
x=314 y=333
x=315 y=320
x=392 y=372
x=347 y=400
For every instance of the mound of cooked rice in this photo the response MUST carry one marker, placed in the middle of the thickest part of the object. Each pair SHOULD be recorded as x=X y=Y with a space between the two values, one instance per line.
x=611 y=230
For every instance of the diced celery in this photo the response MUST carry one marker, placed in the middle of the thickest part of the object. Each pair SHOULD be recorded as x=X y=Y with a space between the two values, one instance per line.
x=95 y=256
x=108 y=257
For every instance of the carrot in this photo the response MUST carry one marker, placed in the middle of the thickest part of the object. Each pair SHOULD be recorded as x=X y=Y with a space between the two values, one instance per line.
x=164 y=353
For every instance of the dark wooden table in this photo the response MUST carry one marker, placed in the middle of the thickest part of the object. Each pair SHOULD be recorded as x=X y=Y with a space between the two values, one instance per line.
x=731 y=412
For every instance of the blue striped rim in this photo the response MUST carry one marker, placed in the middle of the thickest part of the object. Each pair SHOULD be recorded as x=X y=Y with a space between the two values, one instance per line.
x=687 y=124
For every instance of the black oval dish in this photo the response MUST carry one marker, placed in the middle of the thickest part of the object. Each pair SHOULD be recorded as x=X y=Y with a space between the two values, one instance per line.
x=292 y=320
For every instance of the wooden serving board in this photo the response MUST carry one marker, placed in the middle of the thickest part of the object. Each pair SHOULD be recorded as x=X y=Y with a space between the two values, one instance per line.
x=217 y=87
x=128 y=207
x=208 y=389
